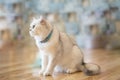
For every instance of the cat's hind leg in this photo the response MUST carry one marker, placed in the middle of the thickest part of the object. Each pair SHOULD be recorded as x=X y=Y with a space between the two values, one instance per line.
x=74 y=60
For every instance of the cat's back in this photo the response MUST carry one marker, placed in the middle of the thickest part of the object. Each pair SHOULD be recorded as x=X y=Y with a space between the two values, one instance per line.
x=66 y=42
x=67 y=39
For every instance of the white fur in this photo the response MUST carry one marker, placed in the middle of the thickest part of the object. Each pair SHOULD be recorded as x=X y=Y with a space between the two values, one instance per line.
x=39 y=44
x=37 y=38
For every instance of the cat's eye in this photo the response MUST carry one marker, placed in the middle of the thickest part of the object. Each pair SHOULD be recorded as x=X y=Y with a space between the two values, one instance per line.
x=33 y=26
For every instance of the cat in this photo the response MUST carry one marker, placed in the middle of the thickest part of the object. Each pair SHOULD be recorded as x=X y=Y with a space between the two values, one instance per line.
x=59 y=52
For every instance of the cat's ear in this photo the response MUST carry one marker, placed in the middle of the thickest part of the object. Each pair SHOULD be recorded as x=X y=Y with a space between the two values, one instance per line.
x=42 y=21
x=34 y=19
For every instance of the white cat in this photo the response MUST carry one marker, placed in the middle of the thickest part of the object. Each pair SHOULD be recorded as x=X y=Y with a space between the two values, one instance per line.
x=59 y=52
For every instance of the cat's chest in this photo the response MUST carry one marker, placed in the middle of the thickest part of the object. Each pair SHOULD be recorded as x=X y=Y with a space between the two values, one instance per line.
x=44 y=48
x=42 y=45
x=38 y=43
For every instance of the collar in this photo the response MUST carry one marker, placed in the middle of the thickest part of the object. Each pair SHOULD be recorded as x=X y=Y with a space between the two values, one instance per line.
x=48 y=37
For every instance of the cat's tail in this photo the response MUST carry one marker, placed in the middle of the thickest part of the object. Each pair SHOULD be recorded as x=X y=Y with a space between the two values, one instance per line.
x=90 y=69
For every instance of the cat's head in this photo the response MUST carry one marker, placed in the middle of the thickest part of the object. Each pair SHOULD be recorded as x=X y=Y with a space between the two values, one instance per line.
x=39 y=28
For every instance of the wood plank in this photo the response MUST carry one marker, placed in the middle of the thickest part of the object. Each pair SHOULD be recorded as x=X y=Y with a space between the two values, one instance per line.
x=15 y=64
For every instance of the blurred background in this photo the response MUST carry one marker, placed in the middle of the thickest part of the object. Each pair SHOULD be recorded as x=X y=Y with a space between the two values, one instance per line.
x=93 y=24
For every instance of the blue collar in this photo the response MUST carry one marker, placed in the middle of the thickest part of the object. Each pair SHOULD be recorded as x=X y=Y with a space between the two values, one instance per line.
x=48 y=37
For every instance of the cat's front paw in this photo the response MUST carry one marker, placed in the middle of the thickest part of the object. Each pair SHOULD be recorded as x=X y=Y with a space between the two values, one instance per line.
x=41 y=71
x=47 y=73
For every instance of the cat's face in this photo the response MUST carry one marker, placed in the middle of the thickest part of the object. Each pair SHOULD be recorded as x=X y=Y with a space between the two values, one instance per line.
x=39 y=28
x=35 y=26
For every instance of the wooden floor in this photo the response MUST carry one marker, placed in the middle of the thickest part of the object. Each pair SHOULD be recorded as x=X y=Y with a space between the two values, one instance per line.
x=16 y=64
